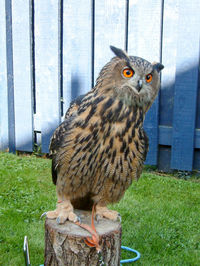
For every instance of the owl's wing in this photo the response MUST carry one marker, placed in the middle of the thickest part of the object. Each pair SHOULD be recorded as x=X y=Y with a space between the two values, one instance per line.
x=74 y=105
x=145 y=144
x=57 y=142
x=58 y=139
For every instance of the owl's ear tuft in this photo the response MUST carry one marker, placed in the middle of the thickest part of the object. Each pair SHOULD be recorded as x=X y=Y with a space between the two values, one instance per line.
x=157 y=66
x=120 y=53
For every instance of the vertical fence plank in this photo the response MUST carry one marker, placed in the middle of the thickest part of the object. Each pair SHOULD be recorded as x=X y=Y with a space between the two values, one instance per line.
x=77 y=49
x=196 y=161
x=187 y=63
x=10 y=85
x=3 y=83
x=144 y=40
x=169 y=50
x=110 y=29
x=144 y=34
x=198 y=105
x=22 y=76
x=46 y=65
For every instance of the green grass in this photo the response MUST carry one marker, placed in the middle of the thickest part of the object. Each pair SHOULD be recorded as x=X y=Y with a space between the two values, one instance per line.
x=160 y=214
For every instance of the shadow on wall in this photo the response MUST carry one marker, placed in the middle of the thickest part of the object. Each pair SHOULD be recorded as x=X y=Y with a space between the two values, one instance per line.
x=75 y=87
x=184 y=79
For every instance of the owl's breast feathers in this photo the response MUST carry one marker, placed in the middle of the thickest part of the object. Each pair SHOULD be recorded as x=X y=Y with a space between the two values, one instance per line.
x=101 y=139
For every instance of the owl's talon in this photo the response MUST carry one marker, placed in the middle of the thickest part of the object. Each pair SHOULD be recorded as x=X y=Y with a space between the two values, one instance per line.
x=64 y=211
x=44 y=214
x=106 y=213
x=98 y=218
x=119 y=218
x=78 y=220
x=58 y=220
x=61 y=220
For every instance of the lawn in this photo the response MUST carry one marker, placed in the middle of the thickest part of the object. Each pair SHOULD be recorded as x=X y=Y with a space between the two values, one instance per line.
x=160 y=214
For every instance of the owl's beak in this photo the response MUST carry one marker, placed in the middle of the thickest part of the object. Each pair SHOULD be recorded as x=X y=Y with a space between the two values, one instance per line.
x=139 y=85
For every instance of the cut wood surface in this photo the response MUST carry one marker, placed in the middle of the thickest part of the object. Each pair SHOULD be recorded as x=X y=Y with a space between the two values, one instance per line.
x=64 y=244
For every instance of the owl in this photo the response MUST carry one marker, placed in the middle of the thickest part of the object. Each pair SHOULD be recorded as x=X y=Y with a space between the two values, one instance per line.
x=101 y=146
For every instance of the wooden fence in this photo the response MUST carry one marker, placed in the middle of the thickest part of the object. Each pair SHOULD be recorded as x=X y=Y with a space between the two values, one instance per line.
x=53 y=50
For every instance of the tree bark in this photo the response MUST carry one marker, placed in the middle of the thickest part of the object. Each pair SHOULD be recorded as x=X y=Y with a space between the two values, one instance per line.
x=64 y=244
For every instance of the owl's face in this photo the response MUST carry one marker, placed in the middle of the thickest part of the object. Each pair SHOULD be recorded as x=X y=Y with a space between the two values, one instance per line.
x=135 y=80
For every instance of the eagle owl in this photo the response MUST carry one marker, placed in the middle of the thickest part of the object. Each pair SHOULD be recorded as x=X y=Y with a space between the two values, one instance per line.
x=101 y=145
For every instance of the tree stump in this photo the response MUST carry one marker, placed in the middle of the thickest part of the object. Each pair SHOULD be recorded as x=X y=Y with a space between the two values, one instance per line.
x=64 y=244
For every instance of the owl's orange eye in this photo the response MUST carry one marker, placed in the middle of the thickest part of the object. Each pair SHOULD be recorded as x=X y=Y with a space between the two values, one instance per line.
x=128 y=72
x=149 y=78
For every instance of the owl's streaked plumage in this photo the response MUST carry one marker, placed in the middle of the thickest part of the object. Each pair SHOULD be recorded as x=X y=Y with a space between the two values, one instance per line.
x=101 y=145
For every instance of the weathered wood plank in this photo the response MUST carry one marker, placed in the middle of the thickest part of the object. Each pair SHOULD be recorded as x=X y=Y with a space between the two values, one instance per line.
x=144 y=40
x=22 y=76
x=110 y=24
x=3 y=81
x=46 y=65
x=187 y=63
x=77 y=49
x=10 y=85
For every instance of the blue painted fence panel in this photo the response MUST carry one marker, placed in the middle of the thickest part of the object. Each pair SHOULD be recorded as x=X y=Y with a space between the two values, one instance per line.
x=187 y=63
x=77 y=49
x=22 y=76
x=10 y=84
x=144 y=40
x=70 y=45
x=46 y=65
x=109 y=30
x=4 y=142
x=169 y=50
x=198 y=105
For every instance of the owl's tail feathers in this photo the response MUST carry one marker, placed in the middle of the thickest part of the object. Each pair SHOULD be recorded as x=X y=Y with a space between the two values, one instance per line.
x=94 y=240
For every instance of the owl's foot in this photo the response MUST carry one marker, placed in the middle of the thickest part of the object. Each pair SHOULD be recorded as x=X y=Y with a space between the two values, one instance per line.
x=63 y=212
x=106 y=213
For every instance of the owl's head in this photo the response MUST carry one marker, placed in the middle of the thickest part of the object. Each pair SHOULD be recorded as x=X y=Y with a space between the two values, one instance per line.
x=133 y=79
